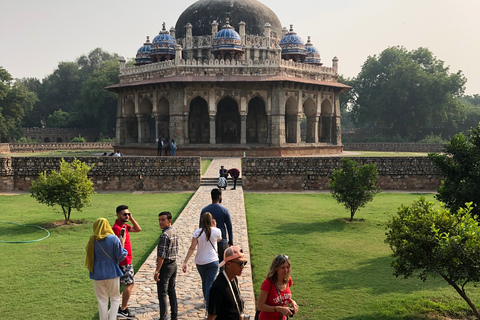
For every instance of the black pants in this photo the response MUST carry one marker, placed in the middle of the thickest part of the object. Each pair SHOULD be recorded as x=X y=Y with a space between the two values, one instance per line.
x=166 y=286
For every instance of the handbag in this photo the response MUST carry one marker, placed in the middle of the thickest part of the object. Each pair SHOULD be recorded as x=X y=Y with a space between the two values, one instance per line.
x=257 y=313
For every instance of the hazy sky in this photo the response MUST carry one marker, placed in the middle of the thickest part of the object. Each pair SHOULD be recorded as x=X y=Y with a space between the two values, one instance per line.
x=36 y=35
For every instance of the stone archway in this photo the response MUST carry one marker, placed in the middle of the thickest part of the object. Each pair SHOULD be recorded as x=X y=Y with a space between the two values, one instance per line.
x=198 y=121
x=256 y=121
x=130 y=122
x=146 y=122
x=227 y=121
x=162 y=118
x=325 y=124
x=310 y=112
x=291 y=120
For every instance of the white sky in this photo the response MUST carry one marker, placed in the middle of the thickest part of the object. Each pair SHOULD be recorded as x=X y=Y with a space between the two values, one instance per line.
x=36 y=35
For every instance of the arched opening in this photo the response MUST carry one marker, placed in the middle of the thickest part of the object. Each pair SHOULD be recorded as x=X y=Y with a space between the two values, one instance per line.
x=310 y=112
x=198 y=121
x=131 y=125
x=227 y=121
x=291 y=120
x=256 y=121
x=147 y=121
x=59 y=139
x=163 y=118
x=326 y=117
x=47 y=139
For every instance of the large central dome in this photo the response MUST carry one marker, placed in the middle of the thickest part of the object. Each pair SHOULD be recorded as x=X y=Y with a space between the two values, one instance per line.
x=202 y=13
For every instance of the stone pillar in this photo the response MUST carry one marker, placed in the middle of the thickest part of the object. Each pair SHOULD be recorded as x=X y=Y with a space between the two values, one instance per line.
x=178 y=54
x=122 y=64
x=213 y=136
x=186 y=137
x=277 y=131
x=338 y=127
x=267 y=30
x=335 y=64
x=158 y=126
x=243 y=130
x=172 y=32
x=312 y=129
x=320 y=130
x=241 y=32
x=143 y=132
x=214 y=27
x=299 y=128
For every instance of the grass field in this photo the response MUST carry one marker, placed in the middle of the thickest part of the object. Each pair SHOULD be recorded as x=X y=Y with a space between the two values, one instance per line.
x=341 y=270
x=48 y=279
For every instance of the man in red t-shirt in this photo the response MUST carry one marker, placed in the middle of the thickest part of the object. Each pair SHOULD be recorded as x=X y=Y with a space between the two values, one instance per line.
x=234 y=173
x=123 y=216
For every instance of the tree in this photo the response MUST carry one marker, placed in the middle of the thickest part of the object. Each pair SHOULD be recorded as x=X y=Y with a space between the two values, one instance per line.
x=354 y=185
x=408 y=93
x=459 y=167
x=70 y=187
x=428 y=242
x=15 y=101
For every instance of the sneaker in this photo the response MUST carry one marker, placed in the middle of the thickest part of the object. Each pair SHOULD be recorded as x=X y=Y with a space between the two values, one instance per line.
x=124 y=313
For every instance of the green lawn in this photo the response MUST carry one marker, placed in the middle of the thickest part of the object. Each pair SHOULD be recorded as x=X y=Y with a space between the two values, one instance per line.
x=205 y=164
x=340 y=270
x=48 y=279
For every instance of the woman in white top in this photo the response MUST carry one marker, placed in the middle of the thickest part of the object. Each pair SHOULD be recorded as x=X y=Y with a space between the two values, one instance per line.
x=206 y=259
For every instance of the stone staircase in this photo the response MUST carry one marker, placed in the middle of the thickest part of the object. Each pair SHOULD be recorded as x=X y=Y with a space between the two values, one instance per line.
x=205 y=181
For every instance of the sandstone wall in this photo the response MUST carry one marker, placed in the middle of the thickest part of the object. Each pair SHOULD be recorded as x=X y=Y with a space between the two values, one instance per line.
x=302 y=173
x=110 y=173
x=38 y=147
x=395 y=147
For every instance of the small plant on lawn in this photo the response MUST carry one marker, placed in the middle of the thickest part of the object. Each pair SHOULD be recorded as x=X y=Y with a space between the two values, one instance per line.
x=354 y=185
x=70 y=187
x=427 y=242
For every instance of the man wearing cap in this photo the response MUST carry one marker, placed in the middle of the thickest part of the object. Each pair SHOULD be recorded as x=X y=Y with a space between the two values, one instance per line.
x=225 y=300
x=223 y=219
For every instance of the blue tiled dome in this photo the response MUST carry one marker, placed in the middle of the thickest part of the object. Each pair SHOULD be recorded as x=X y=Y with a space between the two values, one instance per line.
x=313 y=55
x=292 y=44
x=143 y=54
x=227 y=39
x=163 y=44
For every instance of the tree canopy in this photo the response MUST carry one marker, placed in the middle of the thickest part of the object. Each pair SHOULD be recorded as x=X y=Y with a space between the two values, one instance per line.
x=15 y=101
x=407 y=93
x=427 y=242
x=460 y=171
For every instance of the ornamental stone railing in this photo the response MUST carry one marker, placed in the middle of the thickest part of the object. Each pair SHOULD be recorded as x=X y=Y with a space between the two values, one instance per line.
x=394 y=147
x=48 y=146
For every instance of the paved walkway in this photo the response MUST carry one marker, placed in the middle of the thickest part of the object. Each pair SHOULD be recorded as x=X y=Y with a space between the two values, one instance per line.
x=144 y=302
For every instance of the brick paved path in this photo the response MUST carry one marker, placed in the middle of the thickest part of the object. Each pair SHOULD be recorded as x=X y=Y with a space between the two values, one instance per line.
x=144 y=302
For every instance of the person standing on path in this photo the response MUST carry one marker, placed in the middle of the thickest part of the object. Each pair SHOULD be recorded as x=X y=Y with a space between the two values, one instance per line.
x=121 y=226
x=225 y=301
x=104 y=252
x=206 y=259
x=166 y=270
x=173 y=148
x=234 y=173
x=223 y=219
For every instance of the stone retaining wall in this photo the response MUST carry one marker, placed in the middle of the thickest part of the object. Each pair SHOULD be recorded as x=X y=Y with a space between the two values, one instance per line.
x=38 y=147
x=395 y=147
x=109 y=173
x=395 y=173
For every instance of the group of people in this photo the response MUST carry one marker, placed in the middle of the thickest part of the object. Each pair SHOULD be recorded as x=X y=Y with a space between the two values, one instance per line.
x=167 y=146
x=222 y=180
x=218 y=261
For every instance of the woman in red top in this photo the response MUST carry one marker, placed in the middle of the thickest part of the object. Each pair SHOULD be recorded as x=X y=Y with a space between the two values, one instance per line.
x=275 y=299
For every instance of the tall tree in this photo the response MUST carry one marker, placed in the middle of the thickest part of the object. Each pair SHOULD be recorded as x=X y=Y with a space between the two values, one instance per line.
x=408 y=93
x=15 y=101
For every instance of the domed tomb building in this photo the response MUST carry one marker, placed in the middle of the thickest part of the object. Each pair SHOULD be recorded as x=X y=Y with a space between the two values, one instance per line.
x=229 y=80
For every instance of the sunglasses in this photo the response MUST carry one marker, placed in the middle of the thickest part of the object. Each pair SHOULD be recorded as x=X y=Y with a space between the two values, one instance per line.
x=282 y=257
x=240 y=263
x=126 y=214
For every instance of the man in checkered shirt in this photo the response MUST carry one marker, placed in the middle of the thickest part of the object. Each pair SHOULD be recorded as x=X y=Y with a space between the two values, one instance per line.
x=166 y=271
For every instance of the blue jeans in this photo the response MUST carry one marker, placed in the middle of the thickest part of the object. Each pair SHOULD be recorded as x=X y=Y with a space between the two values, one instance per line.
x=208 y=273
x=172 y=151
x=166 y=286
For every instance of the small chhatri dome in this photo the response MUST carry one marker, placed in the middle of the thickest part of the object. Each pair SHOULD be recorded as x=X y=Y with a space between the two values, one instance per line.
x=143 y=54
x=313 y=55
x=163 y=46
x=227 y=39
x=292 y=44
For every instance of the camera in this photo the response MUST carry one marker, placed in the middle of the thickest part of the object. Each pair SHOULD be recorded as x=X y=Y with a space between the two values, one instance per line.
x=292 y=311
x=244 y=317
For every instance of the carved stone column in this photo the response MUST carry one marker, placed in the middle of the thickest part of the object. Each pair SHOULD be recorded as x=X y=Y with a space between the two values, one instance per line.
x=213 y=136
x=299 y=128
x=243 y=129
x=143 y=132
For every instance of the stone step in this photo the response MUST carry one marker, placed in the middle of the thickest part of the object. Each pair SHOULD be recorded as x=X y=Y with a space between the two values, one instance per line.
x=214 y=181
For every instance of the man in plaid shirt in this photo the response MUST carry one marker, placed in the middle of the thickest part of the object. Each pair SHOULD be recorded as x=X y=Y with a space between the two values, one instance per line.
x=166 y=271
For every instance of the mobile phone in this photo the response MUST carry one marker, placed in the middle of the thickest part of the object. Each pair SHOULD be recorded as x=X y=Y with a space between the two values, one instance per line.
x=122 y=232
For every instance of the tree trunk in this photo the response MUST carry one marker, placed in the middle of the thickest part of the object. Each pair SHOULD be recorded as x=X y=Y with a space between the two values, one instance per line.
x=352 y=213
x=65 y=215
x=463 y=295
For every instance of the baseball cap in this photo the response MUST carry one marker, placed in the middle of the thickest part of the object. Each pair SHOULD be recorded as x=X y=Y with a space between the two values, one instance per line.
x=231 y=253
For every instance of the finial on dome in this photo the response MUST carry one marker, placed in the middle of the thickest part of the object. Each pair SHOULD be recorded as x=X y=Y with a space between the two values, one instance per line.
x=291 y=28
x=308 y=40
x=163 y=26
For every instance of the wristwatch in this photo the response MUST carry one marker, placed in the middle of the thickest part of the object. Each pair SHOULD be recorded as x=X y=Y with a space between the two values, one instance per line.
x=157 y=272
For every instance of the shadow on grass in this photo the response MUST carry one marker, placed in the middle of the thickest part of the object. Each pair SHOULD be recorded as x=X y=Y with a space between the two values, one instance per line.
x=296 y=228
x=376 y=275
